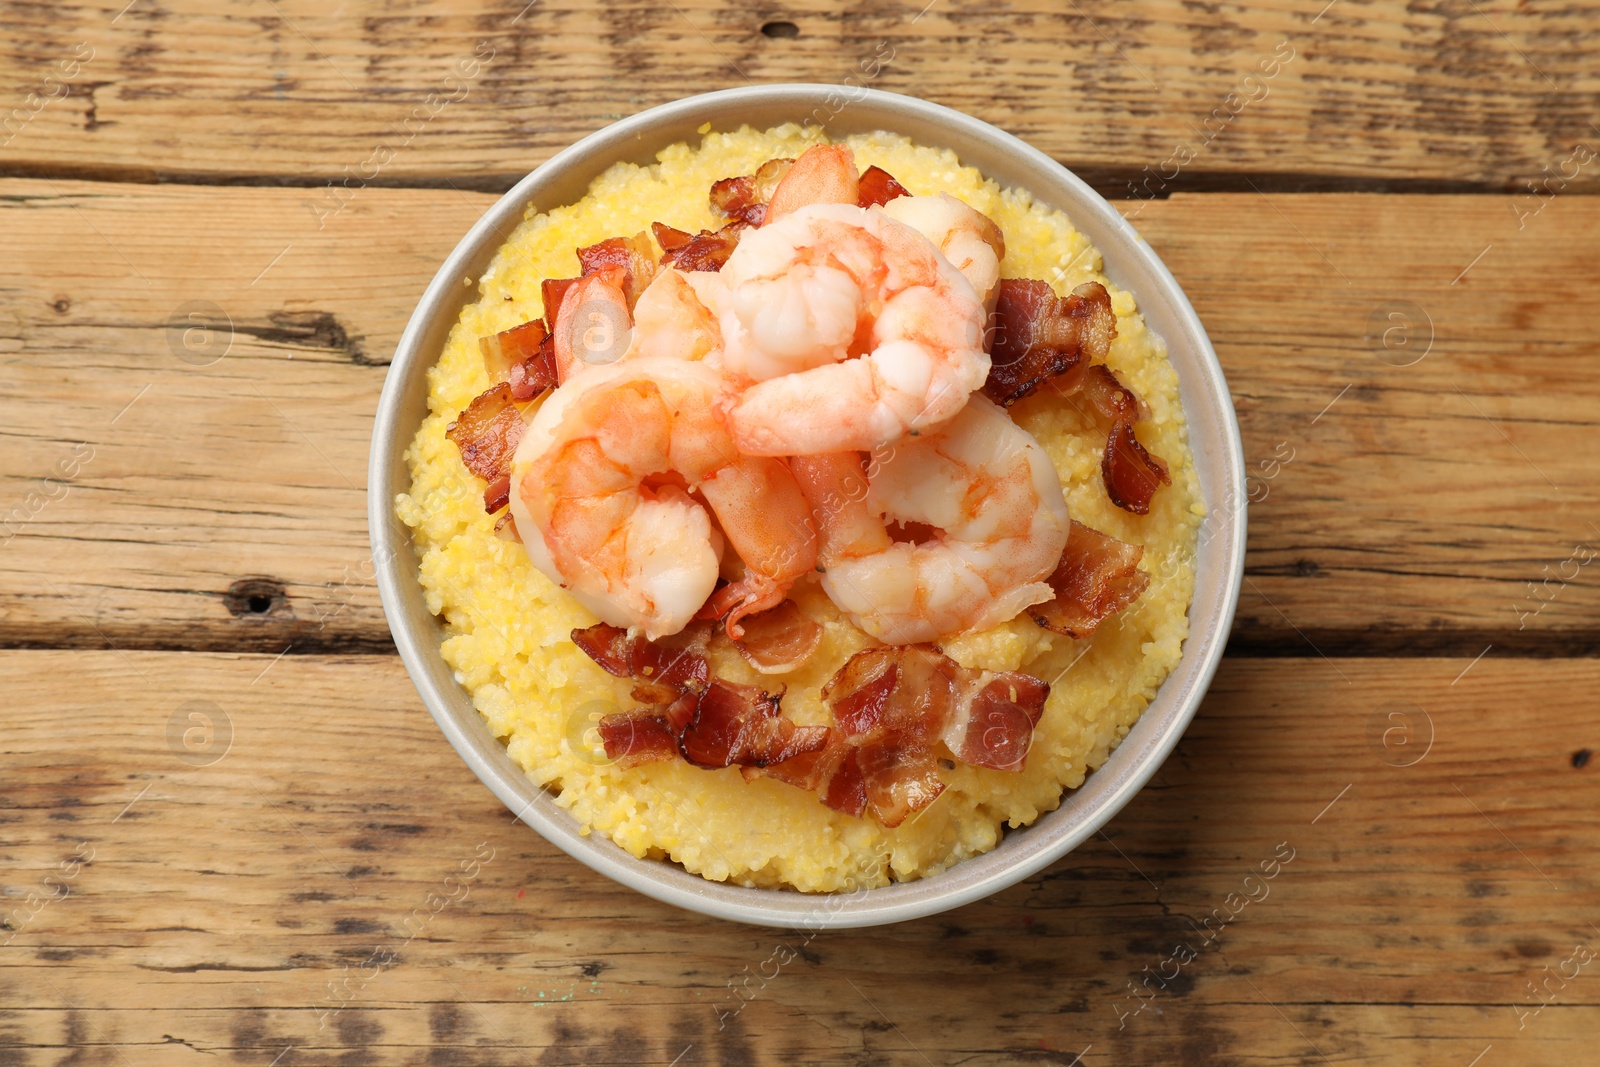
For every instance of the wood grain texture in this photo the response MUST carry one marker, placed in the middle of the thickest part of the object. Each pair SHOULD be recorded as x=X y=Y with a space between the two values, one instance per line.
x=1427 y=883
x=1398 y=509
x=1438 y=94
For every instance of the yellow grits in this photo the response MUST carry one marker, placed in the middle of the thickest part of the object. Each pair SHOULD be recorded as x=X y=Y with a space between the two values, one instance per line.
x=509 y=625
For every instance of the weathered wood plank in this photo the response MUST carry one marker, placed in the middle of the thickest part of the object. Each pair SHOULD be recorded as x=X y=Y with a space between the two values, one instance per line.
x=1397 y=506
x=231 y=906
x=1441 y=94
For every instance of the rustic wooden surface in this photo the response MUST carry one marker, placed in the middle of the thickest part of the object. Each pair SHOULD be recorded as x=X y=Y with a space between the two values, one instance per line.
x=178 y=535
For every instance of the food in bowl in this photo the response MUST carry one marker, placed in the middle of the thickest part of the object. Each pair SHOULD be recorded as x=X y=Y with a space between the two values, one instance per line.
x=804 y=514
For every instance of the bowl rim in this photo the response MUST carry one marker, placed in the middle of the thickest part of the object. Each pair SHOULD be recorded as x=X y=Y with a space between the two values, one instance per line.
x=1021 y=852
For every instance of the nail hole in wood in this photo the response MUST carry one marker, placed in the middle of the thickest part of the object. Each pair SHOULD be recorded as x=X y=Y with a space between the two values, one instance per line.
x=780 y=29
x=256 y=598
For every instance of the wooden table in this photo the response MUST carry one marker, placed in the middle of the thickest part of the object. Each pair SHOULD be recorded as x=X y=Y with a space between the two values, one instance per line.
x=226 y=820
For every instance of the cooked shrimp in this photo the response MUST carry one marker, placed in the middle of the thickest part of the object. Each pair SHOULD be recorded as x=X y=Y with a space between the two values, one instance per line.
x=670 y=320
x=994 y=500
x=969 y=239
x=824 y=174
x=593 y=325
x=602 y=499
x=854 y=329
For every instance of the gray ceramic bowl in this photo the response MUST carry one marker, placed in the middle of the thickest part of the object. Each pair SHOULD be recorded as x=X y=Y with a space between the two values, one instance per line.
x=1214 y=437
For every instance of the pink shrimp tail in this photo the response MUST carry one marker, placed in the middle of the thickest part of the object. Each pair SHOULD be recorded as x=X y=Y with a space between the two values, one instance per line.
x=824 y=174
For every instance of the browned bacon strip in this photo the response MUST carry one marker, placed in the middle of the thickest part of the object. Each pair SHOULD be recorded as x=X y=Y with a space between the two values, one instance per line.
x=993 y=720
x=741 y=725
x=506 y=349
x=778 y=639
x=1107 y=396
x=496 y=495
x=897 y=705
x=745 y=197
x=706 y=250
x=847 y=789
x=736 y=198
x=900 y=774
x=670 y=666
x=1037 y=336
x=632 y=739
x=878 y=187
x=1132 y=475
x=633 y=255
x=668 y=238
x=552 y=290
x=1097 y=577
x=536 y=373
x=487 y=433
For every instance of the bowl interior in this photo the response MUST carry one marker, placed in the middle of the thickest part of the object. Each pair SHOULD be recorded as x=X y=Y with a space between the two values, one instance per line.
x=1129 y=262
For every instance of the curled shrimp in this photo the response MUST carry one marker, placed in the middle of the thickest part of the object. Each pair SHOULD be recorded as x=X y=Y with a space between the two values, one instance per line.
x=999 y=521
x=670 y=320
x=611 y=479
x=594 y=327
x=969 y=239
x=824 y=174
x=854 y=329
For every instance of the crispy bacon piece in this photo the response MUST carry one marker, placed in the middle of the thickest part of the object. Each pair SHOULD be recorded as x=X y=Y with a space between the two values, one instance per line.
x=497 y=494
x=745 y=198
x=1037 y=335
x=900 y=775
x=632 y=739
x=1107 y=396
x=536 y=373
x=895 y=705
x=668 y=238
x=778 y=639
x=736 y=198
x=663 y=668
x=706 y=250
x=632 y=255
x=741 y=725
x=993 y=720
x=523 y=356
x=847 y=789
x=552 y=290
x=1132 y=475
x=506 y=349
x=810 y=771
x=1097 y=577
x=487 y=433
x=878 y=187
x=892 y=703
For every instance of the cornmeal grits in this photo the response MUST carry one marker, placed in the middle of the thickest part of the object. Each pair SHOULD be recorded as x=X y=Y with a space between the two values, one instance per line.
x=509 y=625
